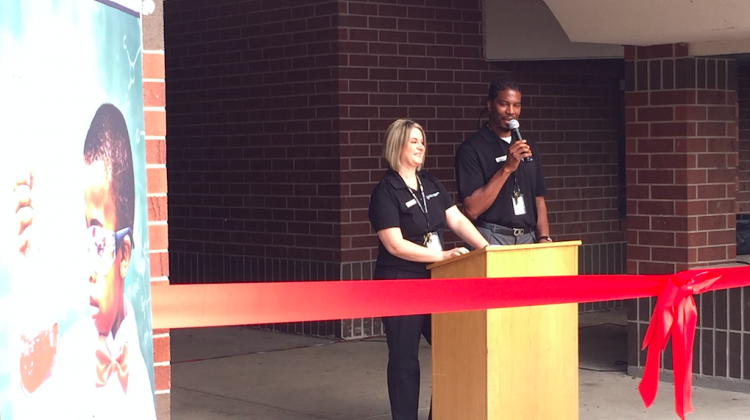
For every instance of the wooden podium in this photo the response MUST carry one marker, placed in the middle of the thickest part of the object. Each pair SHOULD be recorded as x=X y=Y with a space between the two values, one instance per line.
x=513 y=363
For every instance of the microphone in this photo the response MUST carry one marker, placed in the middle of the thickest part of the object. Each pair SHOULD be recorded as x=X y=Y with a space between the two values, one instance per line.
x=514 y=133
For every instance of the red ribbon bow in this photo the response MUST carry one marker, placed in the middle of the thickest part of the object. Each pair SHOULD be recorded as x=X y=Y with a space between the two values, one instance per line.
x=107 y=365
x=676 y=315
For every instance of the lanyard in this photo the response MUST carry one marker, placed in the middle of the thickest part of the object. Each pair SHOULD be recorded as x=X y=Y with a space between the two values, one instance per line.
x=516 y=187
x=424 y=209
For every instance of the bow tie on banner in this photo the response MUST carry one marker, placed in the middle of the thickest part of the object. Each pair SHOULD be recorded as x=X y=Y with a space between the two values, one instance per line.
x=106 y=365
x=675 y=314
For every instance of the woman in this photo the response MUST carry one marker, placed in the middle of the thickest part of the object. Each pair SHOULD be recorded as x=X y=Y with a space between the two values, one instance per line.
x=410 y=209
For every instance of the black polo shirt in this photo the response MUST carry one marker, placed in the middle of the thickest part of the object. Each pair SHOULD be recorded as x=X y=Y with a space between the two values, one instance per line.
x=477 y=160
x=392 y=205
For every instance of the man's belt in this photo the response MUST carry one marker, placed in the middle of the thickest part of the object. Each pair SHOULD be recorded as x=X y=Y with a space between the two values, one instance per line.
x=502 y=230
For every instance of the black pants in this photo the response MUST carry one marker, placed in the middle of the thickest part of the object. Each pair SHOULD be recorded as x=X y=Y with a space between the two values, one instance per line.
x=403 y=334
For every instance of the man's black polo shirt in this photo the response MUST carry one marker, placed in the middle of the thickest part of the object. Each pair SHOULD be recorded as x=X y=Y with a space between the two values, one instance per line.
x=477 y=160
x=392 y=205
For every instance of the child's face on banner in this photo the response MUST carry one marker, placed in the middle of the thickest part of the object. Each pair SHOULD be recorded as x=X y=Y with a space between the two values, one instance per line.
x=101 y=219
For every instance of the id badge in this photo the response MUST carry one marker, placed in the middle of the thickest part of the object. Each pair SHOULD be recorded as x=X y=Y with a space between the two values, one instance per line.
x=432 y=241
x=519 y=207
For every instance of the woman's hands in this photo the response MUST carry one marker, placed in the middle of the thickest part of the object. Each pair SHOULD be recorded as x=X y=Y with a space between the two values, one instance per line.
x=455 y=252
x=394 y=242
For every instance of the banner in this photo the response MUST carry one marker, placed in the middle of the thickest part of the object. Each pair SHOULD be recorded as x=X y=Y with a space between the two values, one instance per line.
x=75 y=326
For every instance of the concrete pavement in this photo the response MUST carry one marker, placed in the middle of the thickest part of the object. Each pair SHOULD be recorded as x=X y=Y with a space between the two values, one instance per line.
x=243 y=373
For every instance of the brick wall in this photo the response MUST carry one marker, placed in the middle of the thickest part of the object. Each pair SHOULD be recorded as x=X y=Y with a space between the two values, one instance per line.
x=681 y=159
x=743 y=173
x=276 y=114
x=253 y=157
x=154 y=102
x=424 y=61
x=252 y=115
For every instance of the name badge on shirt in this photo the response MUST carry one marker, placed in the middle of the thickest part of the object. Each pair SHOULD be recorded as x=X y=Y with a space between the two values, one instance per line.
x=432 y=241
x=409 y=204
x=501 y=158
x=519 y=208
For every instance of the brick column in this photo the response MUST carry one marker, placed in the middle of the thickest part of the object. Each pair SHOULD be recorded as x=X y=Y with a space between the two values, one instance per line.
x=681 y=159
x=681 y=168
x=154 y=113
x=743 y=100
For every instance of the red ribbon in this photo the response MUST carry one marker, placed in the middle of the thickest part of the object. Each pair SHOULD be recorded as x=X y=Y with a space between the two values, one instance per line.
x=675 y=314
x=205 y=305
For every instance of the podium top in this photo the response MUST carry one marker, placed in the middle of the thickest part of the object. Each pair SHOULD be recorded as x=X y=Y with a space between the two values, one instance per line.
x=502 y=248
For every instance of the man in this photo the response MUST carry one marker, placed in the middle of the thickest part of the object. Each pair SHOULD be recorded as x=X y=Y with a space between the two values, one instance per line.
x=500 y=181
x=123 y=386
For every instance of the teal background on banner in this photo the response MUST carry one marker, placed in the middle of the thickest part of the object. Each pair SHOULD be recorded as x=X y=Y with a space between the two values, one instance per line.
x=59 y=61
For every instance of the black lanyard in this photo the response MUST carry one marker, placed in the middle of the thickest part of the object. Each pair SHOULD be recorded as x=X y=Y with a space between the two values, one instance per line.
x=425 y=212
x=516 y=187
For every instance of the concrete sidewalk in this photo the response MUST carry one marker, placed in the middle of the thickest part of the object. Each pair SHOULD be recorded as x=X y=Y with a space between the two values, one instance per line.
x=243 y=373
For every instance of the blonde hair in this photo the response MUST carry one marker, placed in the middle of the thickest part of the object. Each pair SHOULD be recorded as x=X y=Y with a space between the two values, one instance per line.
x=396 y=138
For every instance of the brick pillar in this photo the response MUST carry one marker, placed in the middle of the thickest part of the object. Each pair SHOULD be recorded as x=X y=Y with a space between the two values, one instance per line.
x=681 y=159
x=154 y=113
x=743 y=100
x=681 y=169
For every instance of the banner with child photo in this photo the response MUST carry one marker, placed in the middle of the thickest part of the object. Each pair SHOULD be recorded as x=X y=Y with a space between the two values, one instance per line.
x=75 y=318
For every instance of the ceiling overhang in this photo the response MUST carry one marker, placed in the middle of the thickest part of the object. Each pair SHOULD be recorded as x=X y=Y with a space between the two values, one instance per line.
x=649 y=22
x=527 y=30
